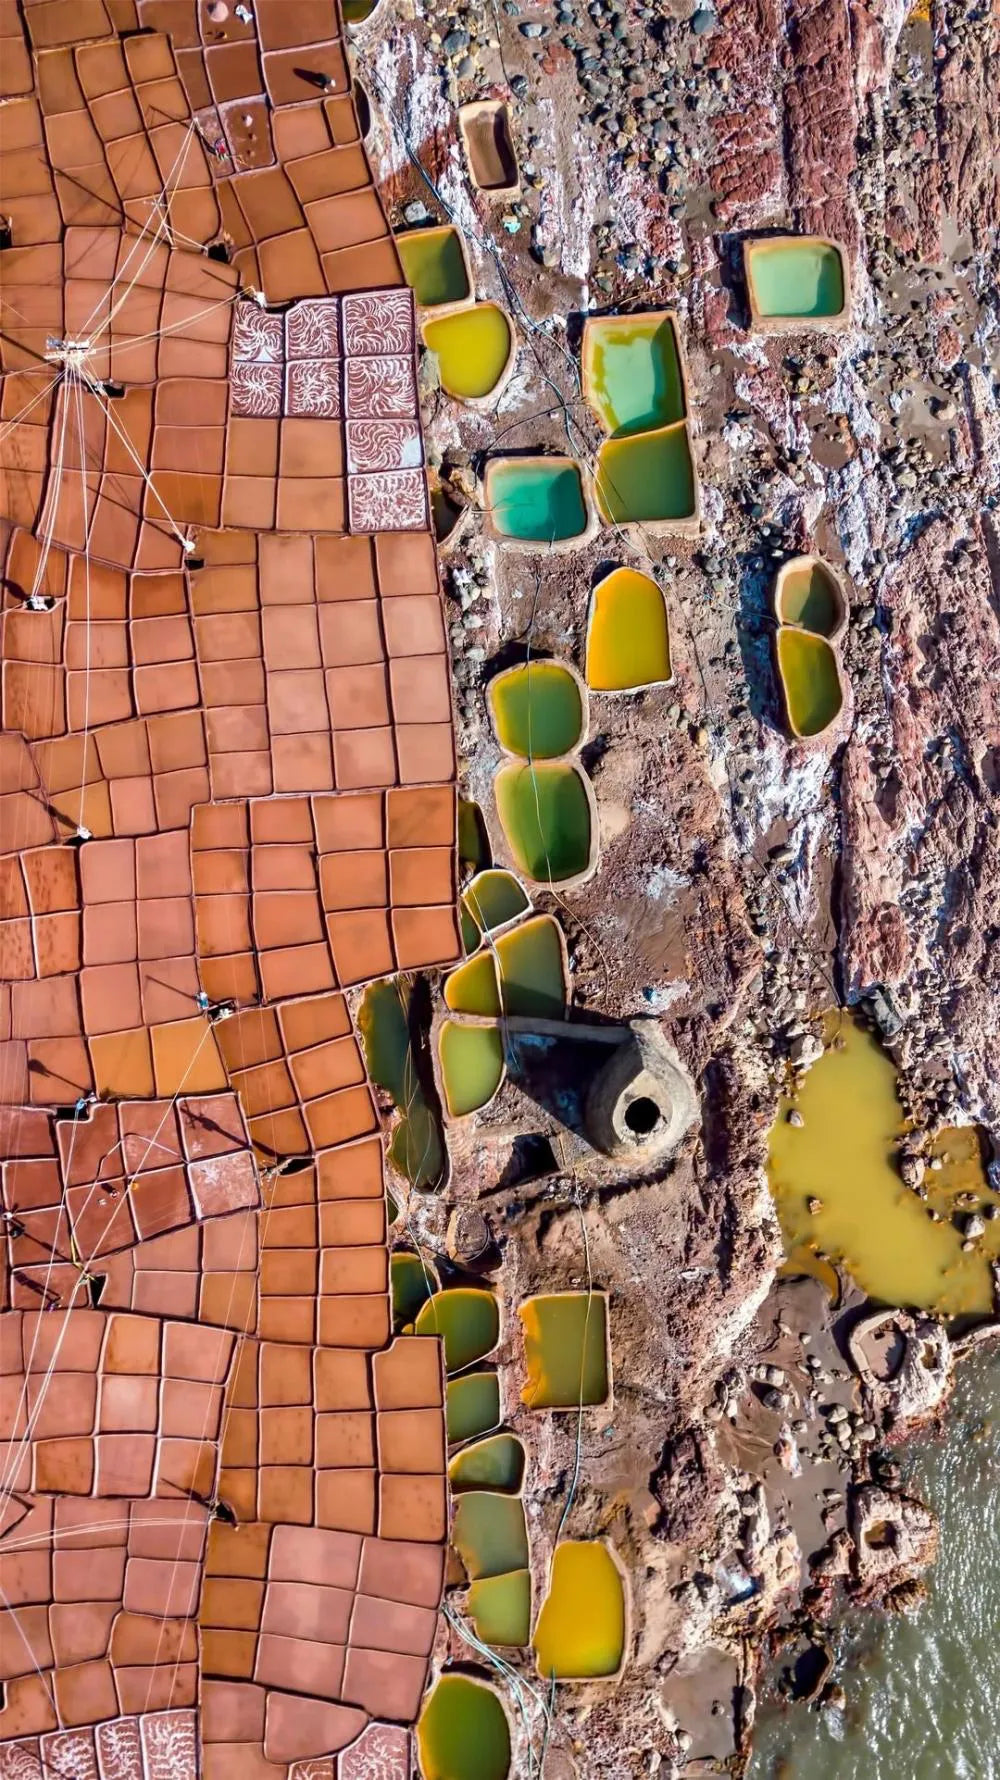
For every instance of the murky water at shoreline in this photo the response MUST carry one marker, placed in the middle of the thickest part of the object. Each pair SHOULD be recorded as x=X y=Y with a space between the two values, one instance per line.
x=922 y=1692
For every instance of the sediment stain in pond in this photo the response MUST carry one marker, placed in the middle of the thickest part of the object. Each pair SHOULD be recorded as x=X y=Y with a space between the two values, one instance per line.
x=845 y=1156
x=462 y=1732
x=580 y=1633
x=921 y=1689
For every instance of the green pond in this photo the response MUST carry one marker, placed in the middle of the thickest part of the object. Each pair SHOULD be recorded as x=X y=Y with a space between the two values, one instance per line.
x=491 y=901
x=795 y=278
x=632 y=372
x=472 y=349
x=416 y=1145
x=473 y=840
x=472 y=1405
x=489 y=1534
x=462 y=1732
x=810 y=681
x=580 y=1634
x=921 y=1690
x=412 y=1280
x=521 y=972
x=472 y=1066
x=545 y=813
x=468 y=1321
x=647 y=479
x=537 y=710
x=808 y=597
x=500 y=1609
x=495 y=1464
x=565 y=1350
x=434 y=266
x=536 y=501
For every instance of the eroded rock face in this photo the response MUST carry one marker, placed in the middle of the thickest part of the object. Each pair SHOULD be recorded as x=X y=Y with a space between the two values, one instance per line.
x=895 y=1539
x=920 y=806
x=917 y=1382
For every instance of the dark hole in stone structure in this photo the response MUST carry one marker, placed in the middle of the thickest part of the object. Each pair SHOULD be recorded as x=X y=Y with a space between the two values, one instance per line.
x=642 y=1116
x=219 y=250
x=95 y=1288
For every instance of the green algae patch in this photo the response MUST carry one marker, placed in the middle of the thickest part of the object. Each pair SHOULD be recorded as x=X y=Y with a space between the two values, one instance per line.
x=473 y=348
x=565 y=1350
x=462 y=1732
x=546 y=816
x=472 y=1405
x=434 y=266
x=472 y=1066
x=845 y=1160
x=810 y=682
x=489 y=1534
x=496 y=1464
x=580 y=1635
x=468 y=1321
x=536 y=500
x=416 y=1145
x=628 y=641
x=632 y=373
x=648 y=479
x=537 y=709
x=796 y=278
x=500 y=1609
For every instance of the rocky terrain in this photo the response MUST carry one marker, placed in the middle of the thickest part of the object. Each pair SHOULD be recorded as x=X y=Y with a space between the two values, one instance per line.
x=745 y=882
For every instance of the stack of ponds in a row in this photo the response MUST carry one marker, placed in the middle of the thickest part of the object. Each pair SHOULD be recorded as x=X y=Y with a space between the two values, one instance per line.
x=811 y=610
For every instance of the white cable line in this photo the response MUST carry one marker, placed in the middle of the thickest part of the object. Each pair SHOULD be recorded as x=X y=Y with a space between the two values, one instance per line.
x=35 y=400
x=159 y=209
x=86 y=571
x=98 y=394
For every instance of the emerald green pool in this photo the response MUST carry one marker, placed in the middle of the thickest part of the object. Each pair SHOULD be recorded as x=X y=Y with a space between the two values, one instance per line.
x=795 y=278
x=648 y=478
x=489 y=1534
x=434 y=266
x=468 y=1321
x=413 y=1280
x=500 y=1609
x=472 y=1405
x=496 y=1464
x=546 y=817
x=632 y=372
x=462 y=1732
x=536 y=501
x=537 y=710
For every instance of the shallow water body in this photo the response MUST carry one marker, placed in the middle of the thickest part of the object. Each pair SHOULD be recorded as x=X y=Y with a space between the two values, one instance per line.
x=922 y=1692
